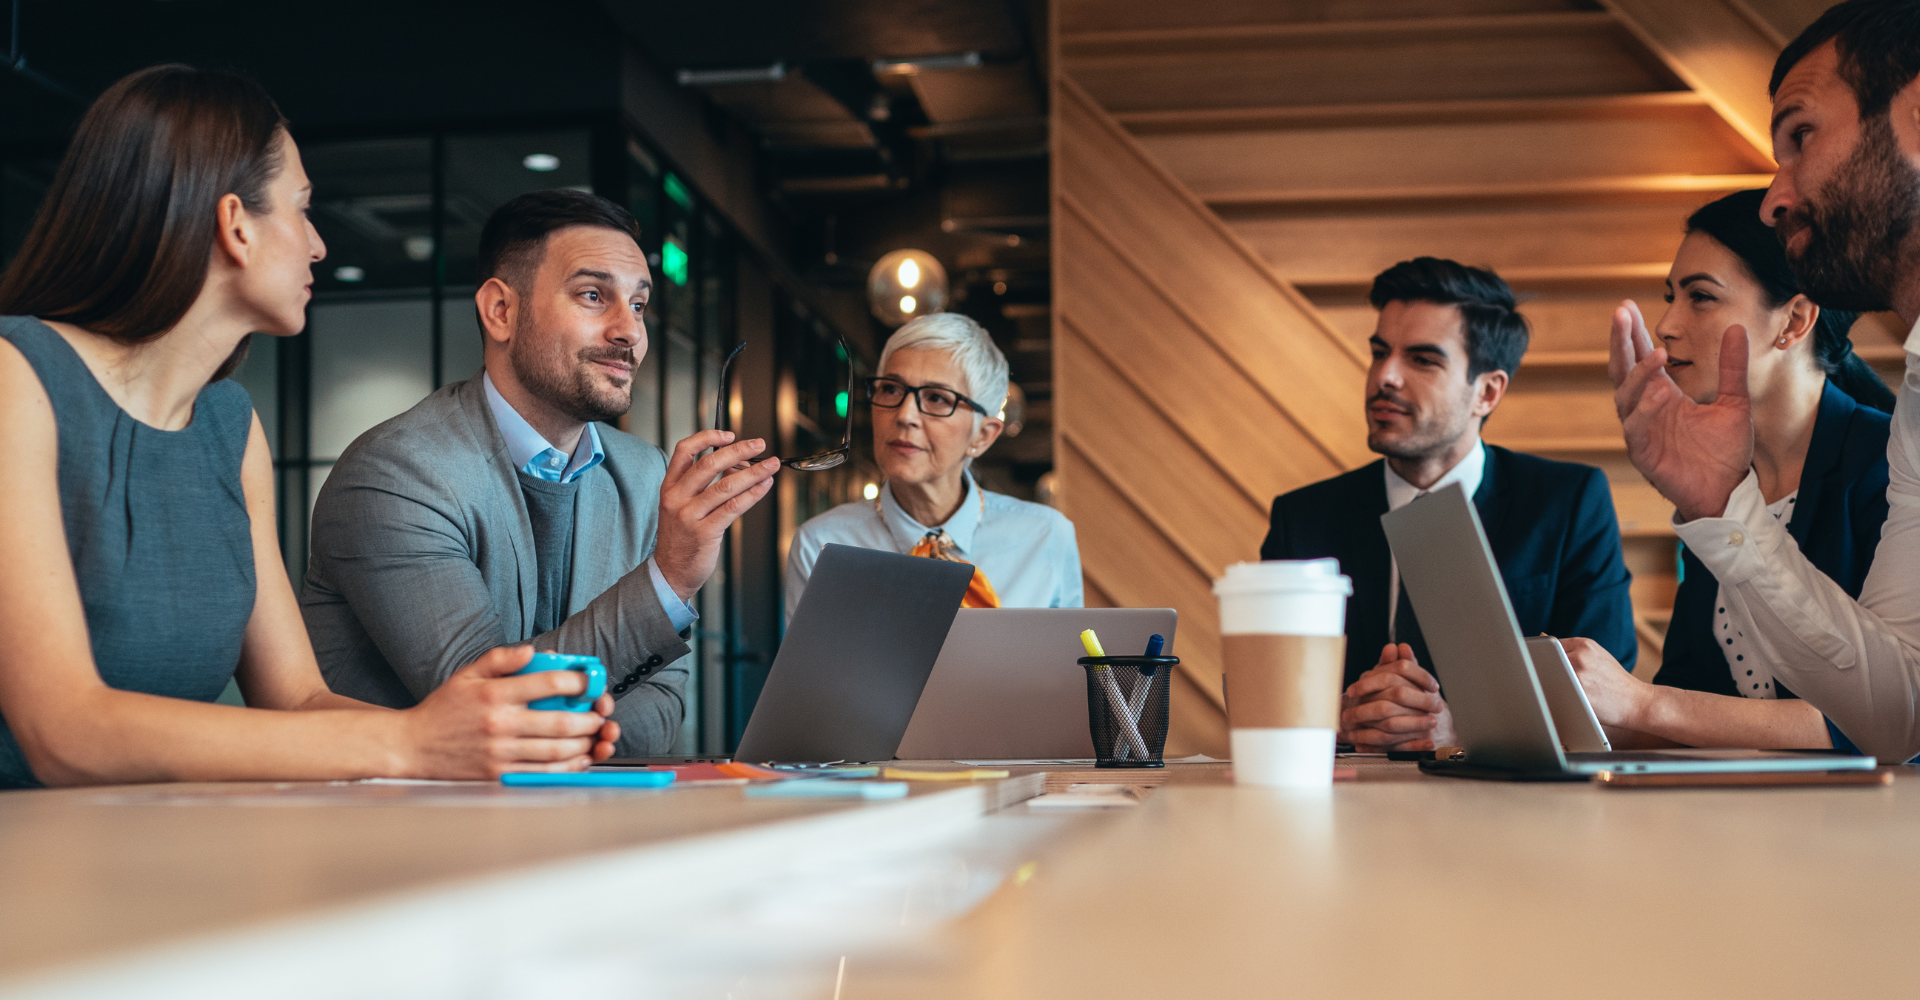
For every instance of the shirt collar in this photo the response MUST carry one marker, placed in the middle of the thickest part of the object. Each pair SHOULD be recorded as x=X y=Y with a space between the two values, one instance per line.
x=530 y=452
x=907 y=532
x=1467 y=472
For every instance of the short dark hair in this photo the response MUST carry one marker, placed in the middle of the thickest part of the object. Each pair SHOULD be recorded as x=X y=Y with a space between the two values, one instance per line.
x=1878 y=42
x=123 y=241
x=515 y=236
x=1497 y=334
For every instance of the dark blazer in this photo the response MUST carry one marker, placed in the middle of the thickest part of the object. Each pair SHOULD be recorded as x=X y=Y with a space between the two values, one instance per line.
x=1836 y=521
x=1551 y=526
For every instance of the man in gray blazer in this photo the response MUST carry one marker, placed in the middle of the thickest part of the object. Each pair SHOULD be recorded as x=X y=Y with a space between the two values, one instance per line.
x=498 y=511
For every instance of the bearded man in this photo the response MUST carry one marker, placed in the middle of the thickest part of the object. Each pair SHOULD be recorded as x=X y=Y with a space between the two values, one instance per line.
x=500 y=510
x=1445 y=349
x=1845 y=204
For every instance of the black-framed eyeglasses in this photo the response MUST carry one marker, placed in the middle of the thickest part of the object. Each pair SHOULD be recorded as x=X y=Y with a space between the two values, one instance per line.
x=933 y=400
x=818 y=462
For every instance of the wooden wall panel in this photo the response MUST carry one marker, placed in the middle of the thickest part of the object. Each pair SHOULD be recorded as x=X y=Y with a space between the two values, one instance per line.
x=1718 y=49
x=1144 y=453
x=1439 y=153
x=1081 y=16
x=1351 y=249
x=1220 y=285
x=1562 y=55
x=1182 y=374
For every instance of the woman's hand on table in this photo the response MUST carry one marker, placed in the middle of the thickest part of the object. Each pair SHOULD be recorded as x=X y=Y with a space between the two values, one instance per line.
x=1619 y=699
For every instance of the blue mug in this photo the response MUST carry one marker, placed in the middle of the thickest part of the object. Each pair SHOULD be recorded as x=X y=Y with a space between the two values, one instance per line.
x=589 y=665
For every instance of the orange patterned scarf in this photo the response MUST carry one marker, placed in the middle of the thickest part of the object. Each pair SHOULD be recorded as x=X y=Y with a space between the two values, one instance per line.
x=936 y=545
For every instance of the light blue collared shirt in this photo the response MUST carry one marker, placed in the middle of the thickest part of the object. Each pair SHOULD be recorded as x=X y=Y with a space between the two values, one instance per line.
x=1027 y=550
x=534 y=456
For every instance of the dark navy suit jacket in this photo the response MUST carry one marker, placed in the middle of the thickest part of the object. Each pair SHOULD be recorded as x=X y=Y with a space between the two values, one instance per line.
x=1836 y=521
x=1550 y=524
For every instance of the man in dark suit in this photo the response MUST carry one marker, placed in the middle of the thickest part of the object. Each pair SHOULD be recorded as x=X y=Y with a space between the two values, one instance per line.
x=1444 y=351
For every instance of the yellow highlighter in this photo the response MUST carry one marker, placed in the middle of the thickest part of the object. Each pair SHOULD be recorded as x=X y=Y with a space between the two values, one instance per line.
x=1092 y=642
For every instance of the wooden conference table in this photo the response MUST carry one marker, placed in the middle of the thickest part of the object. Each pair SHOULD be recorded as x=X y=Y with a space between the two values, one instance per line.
x=1394 y=884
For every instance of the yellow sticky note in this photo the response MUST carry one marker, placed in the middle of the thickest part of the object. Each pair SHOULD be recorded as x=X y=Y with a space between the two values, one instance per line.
x=898 y=774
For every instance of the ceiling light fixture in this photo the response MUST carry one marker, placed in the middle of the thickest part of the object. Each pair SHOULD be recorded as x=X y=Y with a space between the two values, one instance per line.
x=348 y=274
x=718 y=77
x=905 y=284
x=958 y=60
x=541 y=163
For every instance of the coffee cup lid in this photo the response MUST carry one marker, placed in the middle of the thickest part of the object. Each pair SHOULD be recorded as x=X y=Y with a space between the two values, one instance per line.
x=1317 y=576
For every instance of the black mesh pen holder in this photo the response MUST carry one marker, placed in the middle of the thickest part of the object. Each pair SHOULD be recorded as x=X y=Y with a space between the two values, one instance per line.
x=1127 y=708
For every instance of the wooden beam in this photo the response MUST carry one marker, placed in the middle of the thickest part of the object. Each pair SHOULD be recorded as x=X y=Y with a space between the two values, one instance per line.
x=1577 y=276
x=1210 y=39
x=1585 y=191
x=1584 y=108
x=1720 y=52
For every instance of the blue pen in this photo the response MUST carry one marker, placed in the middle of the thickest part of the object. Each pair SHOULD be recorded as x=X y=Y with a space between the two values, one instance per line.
x=589 y=779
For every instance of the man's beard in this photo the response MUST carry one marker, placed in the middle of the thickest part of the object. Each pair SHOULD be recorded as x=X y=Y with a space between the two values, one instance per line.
x=568 y=384
x=1427 y=437
x=1857 y=226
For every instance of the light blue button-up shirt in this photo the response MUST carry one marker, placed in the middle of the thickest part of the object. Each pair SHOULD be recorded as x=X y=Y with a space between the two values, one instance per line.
x=534 y=456
x=1028 y=551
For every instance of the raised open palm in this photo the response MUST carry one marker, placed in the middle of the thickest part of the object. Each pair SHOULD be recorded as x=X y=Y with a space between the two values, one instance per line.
x=1694 y=454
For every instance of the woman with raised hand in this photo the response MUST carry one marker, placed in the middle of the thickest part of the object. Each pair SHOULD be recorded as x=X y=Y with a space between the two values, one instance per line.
x=936 y=407
x=1820 y=431
x=142 y=569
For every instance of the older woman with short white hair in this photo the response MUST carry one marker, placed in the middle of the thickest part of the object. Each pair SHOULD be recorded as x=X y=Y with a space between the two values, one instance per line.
x=936 y=407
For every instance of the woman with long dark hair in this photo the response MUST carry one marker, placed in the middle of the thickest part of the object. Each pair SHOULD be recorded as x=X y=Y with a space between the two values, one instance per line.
x=1820 y=429
x=142 y=569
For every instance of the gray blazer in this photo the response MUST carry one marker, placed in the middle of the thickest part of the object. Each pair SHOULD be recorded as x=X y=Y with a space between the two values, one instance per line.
x=423 y=559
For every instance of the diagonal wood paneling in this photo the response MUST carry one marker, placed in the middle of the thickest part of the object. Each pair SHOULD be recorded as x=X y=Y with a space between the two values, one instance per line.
x=1219 y=284
x=1180 y=410
x=1148 y=571
x=1724 y=53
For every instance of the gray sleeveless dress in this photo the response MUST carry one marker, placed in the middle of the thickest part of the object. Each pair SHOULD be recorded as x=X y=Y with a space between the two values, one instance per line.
x=157 y=527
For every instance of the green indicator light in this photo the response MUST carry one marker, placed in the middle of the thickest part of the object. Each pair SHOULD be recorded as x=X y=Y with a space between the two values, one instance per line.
x=840 y=351
x=840 y=404
x=679 y=193
x=673 y=260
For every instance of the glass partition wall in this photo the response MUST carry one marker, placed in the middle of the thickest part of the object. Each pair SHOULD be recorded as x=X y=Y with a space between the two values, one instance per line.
x=392 y=320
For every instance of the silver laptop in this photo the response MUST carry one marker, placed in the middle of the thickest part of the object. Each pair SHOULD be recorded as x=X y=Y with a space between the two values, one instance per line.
x=855 y=657
x=1500 y=711
x=1007 y=685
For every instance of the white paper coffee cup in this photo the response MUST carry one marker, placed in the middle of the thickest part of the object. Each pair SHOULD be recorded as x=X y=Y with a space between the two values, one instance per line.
x=1283 y=637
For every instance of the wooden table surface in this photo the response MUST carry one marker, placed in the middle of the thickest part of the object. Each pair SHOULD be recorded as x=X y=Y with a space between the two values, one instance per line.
x=1392 y=884
x=1401 y=884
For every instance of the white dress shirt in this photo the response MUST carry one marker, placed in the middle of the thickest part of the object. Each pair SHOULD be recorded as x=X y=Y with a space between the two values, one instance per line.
x=532 y=454
x=1856 y=661
x=1028 y=551
x=1467 y=472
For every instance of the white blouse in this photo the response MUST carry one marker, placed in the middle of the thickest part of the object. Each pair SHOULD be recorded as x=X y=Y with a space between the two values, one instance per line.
x=1027 y=550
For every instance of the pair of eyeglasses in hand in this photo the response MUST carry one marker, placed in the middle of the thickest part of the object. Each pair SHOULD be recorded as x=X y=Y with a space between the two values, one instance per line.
x=819 y=462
